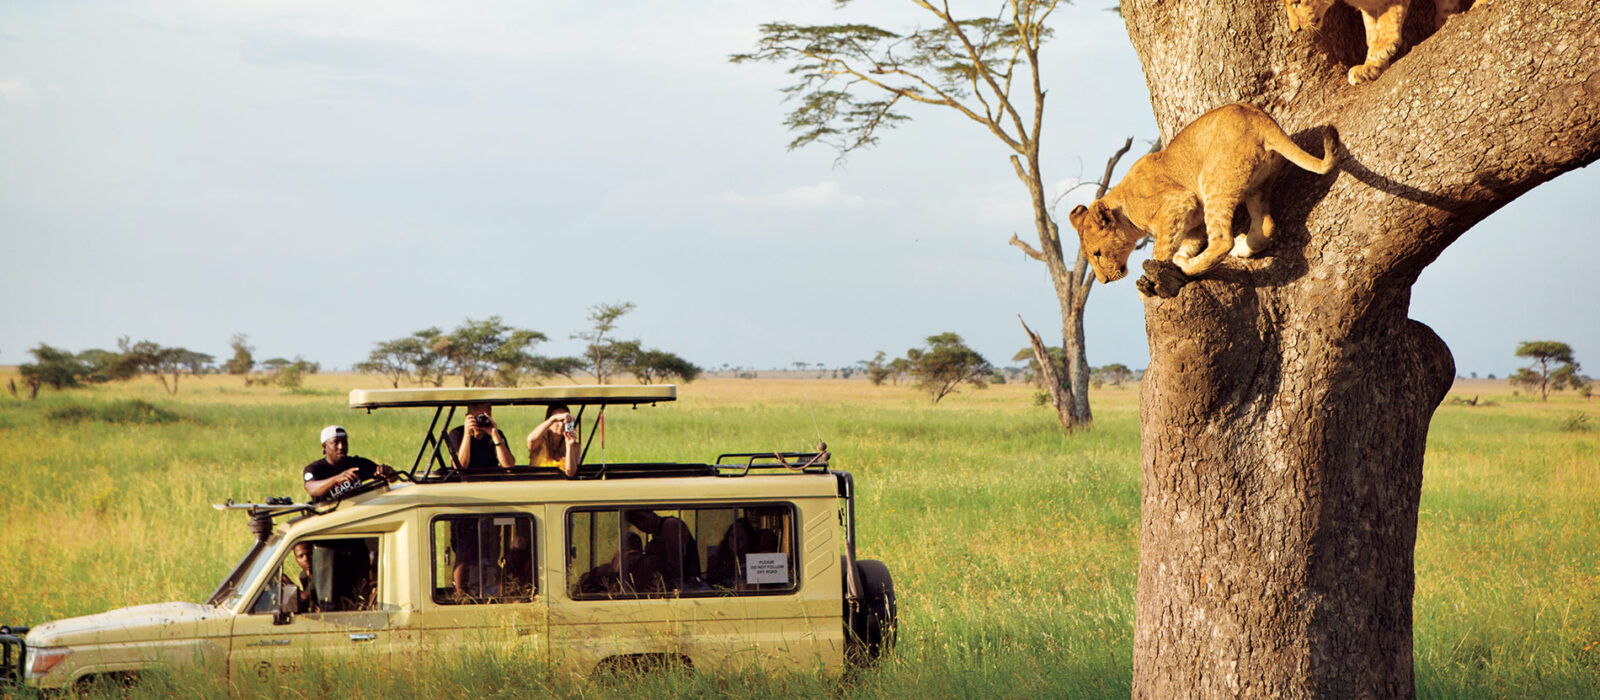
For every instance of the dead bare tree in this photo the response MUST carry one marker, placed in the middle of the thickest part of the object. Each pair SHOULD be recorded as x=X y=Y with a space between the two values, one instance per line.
x=851 y=79
x=1286 y=406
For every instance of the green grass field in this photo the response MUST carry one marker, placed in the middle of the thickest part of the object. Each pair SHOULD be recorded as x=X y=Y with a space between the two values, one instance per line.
x=1013 y=547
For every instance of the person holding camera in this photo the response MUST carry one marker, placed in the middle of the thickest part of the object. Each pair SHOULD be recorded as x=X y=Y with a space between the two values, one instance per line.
x=554 y=443
x=338 y=471
x=484 y=446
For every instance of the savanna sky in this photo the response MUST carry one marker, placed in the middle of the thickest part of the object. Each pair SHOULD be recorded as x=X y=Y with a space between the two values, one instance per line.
x=322 y=175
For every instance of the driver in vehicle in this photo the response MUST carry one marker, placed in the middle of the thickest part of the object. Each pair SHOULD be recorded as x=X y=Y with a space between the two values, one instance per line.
x=339 y=471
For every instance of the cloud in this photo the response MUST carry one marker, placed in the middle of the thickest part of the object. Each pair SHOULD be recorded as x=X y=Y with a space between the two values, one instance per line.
x=16 y=91
x=823 y=195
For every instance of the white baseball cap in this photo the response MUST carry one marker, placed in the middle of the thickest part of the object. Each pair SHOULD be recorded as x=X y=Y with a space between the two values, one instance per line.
x=332 y=432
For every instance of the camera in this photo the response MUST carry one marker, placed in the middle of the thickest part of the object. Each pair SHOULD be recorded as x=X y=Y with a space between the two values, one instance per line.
x=570 y=427
x=481 y=420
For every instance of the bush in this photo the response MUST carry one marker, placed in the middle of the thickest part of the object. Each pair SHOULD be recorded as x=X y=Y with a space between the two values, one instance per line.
x=1576 y=422
x=134 y=411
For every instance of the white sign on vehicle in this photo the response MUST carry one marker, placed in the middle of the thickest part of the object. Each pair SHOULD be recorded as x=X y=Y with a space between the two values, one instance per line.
x=766 y=568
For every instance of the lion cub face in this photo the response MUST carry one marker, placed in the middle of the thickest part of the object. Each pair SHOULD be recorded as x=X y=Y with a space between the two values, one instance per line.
x=1306 y=14
x=1101 y=240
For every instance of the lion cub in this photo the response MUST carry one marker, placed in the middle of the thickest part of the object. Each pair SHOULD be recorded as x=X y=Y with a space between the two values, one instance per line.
x=1228 y=155
x=1383 y=20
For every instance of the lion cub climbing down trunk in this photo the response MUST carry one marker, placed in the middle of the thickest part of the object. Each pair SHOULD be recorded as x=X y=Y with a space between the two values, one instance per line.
x=1185 y=194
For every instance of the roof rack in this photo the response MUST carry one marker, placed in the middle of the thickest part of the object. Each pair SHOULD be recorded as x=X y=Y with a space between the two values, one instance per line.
x=808 y=462
x=580 y=395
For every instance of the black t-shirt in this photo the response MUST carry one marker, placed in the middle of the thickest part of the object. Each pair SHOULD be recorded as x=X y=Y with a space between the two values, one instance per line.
x=484 y=455
x=320 y=469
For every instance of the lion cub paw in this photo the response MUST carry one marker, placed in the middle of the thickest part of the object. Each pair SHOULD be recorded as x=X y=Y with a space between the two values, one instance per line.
x=1364 y=73
x=1161 y=279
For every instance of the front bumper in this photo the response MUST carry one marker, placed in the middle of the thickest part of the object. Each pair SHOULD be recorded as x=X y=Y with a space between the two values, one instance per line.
x=13 y=655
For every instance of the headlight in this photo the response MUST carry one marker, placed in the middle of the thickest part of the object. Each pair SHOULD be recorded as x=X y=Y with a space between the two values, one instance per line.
x=40 y=661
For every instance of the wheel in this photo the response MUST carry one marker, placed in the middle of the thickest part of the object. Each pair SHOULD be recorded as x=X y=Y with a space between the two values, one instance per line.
x=872 y=623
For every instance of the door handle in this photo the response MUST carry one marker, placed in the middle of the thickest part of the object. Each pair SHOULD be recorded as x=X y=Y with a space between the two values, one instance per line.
x=363 y=637
x=268 y=643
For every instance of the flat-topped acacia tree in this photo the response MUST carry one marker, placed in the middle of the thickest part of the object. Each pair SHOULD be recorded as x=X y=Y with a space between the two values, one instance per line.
x=1286 y=405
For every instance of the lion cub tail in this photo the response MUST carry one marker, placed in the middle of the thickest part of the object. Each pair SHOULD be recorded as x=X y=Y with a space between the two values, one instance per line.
x=1322 y=166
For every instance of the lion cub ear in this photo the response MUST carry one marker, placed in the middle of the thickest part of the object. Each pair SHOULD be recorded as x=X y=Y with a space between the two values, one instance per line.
x=1076 y=215
x=1104 y=214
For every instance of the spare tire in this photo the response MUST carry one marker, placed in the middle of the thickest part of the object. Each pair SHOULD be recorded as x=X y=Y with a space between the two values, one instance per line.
x=871 y=624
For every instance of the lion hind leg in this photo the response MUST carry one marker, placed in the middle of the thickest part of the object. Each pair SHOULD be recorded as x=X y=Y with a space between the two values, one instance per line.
x=1259 y=236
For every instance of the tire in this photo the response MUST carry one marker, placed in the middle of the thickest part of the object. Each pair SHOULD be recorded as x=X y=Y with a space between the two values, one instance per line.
x=871 y=625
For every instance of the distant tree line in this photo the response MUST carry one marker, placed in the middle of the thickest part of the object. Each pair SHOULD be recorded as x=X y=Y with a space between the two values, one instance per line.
x=63 y=369
x=482 y=353
x=491 y=353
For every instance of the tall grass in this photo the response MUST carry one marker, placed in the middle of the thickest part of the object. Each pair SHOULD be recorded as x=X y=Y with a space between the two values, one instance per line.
x=1013 y=547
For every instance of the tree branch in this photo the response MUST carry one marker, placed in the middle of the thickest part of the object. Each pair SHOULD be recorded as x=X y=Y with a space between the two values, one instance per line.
x=1027 y=249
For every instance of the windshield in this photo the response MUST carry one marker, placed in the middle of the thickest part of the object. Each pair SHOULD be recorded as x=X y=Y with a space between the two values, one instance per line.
x=233 y=588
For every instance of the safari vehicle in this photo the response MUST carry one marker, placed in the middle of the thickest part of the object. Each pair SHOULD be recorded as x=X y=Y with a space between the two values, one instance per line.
x=748 y=560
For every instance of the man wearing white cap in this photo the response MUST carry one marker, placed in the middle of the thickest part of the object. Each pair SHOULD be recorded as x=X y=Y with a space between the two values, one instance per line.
x=338 y=471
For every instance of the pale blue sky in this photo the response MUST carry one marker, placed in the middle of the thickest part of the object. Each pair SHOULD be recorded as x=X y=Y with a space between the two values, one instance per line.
x=323 y=174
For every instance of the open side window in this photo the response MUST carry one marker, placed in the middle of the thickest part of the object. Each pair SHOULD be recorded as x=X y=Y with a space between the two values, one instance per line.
x=322 y=576
x=479 y=559
x=669 y=551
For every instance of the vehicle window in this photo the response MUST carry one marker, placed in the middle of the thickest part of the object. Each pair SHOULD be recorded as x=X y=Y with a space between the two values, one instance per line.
x=233 y=588
x=664 y=551
x=325 y=575
x=483 y=559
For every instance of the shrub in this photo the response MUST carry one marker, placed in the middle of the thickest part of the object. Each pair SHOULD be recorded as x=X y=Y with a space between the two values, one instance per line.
x=134 y=411
x=1576 y=422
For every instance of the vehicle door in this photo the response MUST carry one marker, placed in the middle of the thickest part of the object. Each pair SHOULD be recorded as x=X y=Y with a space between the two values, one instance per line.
x=324 y=602
x=483 y=585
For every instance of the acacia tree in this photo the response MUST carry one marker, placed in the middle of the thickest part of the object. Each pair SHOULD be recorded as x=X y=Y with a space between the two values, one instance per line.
x=945 y=364
x=485 y=351
x=851 y=80
x=602 y=352
x=1553 y=366
x=163 y=362
x=1286 y=406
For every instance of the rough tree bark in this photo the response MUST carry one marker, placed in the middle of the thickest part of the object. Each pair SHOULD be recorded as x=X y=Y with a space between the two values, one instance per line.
x=1286 y=405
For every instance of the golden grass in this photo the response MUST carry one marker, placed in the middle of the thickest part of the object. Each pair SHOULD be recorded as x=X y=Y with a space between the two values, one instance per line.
x=1013 y=546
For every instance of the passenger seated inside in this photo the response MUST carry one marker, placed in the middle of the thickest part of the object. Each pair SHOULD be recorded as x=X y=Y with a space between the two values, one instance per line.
x=725 y=561
x=666 y=560
x=621 y=574
x=670 y=553
x=519 y=566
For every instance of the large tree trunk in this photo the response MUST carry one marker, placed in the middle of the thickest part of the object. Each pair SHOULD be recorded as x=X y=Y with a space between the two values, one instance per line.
x=1286 y=406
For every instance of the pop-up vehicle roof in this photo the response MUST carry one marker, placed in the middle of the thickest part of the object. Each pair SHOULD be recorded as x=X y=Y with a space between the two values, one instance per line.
x=434 y=462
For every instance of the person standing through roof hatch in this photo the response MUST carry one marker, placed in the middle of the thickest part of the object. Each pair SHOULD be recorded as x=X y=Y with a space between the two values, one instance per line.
x=478 y=443
x=338 y=471
x=554 y=443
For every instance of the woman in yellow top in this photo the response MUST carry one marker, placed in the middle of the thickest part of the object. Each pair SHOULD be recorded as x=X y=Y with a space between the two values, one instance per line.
x=555 y=442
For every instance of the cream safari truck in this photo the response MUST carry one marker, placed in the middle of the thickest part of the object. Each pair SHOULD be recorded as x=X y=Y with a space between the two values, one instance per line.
x=746 y=561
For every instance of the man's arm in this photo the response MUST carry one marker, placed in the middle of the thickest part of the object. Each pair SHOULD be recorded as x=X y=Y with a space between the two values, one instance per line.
x=318 y=487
